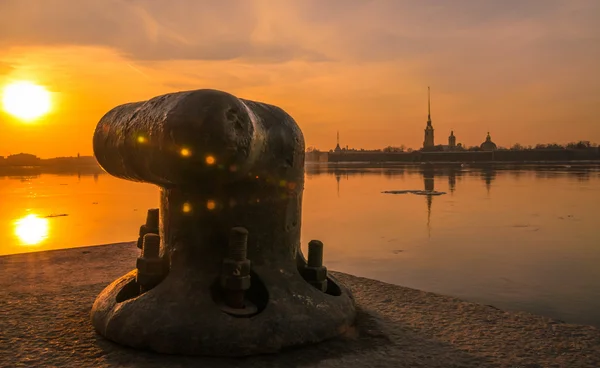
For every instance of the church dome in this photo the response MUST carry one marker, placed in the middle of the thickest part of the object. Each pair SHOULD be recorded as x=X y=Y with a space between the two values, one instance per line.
x=488 y=145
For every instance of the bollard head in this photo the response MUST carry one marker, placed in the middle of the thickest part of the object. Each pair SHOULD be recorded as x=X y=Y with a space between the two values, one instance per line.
x=186 y=138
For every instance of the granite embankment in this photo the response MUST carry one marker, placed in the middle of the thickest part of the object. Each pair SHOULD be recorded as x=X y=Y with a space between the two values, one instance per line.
x=45 y=301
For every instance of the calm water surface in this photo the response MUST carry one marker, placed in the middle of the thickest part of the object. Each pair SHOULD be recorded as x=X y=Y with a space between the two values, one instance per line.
x=517 y=239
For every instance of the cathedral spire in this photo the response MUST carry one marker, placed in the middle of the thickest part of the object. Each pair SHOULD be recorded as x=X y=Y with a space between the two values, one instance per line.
x=428 y=106
x=337 y=146
x=428 y=142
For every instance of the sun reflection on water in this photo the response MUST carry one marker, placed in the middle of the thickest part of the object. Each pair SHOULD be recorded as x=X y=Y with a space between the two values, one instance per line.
x=31 y=229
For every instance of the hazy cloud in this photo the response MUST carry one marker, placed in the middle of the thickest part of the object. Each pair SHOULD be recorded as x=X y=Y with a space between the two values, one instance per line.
x=282 y=30
x=146 y=30
x=513 y=65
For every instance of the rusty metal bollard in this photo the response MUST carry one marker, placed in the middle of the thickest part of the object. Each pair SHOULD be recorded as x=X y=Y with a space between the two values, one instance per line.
x=233 y=279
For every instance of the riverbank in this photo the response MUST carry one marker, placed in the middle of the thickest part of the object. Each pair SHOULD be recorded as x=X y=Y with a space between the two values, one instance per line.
x=500 y=165
x=526 y=155
x=45 y=300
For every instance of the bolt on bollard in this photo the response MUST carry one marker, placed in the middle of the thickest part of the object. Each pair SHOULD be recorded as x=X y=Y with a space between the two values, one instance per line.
x=235 y=273
x=151 y=226
x=315 y=253
x=149 y=264
x=314 y=272
x=238 y=244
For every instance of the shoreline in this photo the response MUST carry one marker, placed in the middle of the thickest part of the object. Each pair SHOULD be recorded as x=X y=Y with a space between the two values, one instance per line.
x=549 y=163
x=48 y=296
x=90 y=167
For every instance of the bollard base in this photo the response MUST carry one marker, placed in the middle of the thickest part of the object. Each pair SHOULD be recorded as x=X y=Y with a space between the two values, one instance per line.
x=179 y=316
x=48 y=295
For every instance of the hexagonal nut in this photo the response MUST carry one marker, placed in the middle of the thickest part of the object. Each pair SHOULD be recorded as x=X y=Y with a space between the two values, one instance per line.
x=235 y=283
x=150 y=266
x=143 y=231
x=235 y=268
x=148 y=280
x=321 y=285
x=314 y=274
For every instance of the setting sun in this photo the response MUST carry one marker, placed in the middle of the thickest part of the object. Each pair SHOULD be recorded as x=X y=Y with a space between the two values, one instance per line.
x=25 y=100
x=31 y=229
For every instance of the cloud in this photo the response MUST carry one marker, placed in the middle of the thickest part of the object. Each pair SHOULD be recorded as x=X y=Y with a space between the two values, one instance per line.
x=337 y=64
x=283 y=30
x=146 y=30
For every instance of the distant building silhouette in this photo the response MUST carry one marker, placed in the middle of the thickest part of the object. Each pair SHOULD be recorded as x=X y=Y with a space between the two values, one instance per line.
x=488 y=145
x=26 y=159
x=428 y=142
x=22 y=159
x=452 y=141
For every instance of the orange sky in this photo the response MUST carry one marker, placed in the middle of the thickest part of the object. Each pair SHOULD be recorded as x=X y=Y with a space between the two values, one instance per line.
x=527 y=71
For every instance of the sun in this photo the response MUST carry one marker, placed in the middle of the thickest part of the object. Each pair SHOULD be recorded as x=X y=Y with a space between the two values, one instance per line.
x=31 y=229
x=25 y=100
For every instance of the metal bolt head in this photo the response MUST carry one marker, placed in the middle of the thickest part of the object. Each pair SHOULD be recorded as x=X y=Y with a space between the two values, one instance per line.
x=315 y=253
x=230 y=267
x=151 y=226
x=238 y=244
x=314 y=274
x=152 y=219
x=236 y=283
x=149 y=266
x=151 y=246
x=321 y=285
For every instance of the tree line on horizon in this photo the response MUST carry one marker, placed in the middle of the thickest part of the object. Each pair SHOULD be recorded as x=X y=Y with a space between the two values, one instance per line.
x=28 y=159
x=31 y=158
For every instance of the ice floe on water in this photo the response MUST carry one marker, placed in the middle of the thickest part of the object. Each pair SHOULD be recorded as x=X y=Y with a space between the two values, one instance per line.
x=417 y=192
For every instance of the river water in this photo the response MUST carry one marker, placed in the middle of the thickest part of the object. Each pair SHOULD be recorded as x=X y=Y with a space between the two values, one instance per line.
x=517 y=238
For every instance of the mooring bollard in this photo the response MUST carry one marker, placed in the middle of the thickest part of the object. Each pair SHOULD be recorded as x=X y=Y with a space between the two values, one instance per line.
x=222 y=272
